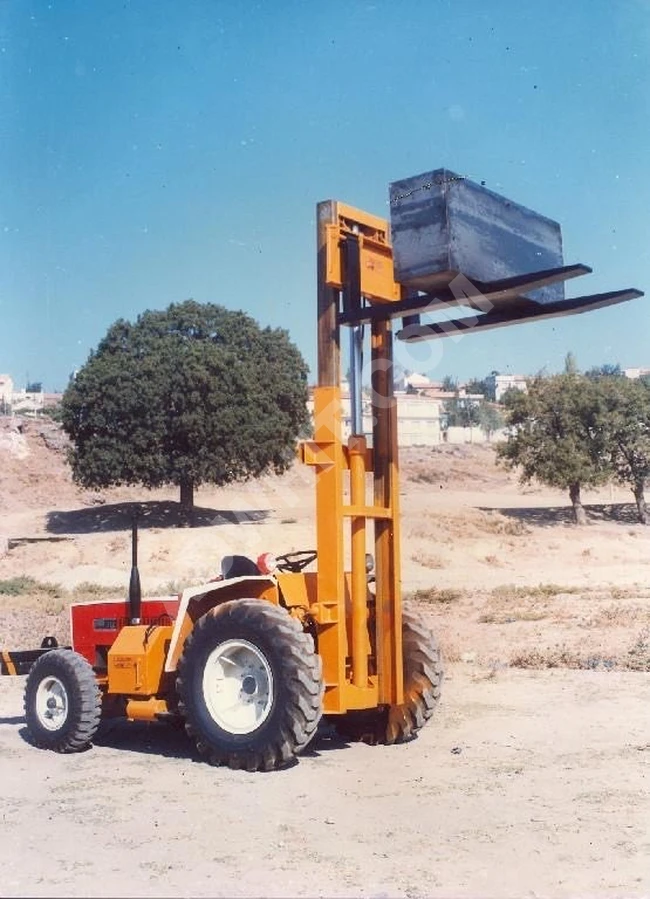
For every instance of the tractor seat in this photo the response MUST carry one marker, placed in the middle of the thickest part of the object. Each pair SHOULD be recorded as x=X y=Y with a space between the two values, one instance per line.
x=238 y=566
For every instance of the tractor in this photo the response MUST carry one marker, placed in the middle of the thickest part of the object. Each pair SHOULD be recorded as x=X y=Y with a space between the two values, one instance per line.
x=250 y=661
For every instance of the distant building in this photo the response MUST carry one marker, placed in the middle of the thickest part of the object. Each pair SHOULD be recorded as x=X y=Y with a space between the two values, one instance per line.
x=501 y=384
x=26 y=402
x=419 y=420
x=416 y=381
x=6 y=393
x=636 y=373
x=418 y=417
x=421 y=417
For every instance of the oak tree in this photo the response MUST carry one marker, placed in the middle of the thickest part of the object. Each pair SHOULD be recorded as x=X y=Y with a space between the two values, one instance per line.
x=190 y=395
x=556 y=437
x=624 y=419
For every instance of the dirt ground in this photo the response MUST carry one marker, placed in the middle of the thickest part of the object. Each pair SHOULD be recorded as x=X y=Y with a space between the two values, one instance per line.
x=532 y=778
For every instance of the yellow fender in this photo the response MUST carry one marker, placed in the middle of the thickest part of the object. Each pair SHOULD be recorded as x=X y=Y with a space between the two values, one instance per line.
x=196 y=601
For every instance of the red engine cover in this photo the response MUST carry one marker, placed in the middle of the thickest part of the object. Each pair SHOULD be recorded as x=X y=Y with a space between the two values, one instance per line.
x=95 y=625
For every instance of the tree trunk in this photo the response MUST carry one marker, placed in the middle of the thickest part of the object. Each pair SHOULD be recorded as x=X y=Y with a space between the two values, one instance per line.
x=578 y=511
x=187 y=502
x=639 y=496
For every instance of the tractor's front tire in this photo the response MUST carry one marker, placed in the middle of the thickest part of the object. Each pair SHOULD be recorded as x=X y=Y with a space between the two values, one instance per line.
x=63 y=702
x=422 y=683
x=249 y=686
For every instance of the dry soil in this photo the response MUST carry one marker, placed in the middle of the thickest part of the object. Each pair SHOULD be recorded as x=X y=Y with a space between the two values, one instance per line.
x=531 y=780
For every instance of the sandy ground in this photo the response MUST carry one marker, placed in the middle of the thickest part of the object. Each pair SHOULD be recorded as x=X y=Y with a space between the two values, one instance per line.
x=527 y=784
x=531 y=780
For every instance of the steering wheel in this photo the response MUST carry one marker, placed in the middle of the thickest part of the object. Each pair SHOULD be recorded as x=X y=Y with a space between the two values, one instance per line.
x=295 y=562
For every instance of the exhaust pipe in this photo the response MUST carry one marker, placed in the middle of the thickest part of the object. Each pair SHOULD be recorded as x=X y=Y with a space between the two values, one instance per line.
x=135 y=591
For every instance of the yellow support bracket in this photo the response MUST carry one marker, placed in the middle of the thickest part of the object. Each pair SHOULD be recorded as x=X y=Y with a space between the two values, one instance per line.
x=376 y=254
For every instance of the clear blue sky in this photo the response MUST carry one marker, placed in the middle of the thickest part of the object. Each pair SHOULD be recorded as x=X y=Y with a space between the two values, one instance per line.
x=156 y=150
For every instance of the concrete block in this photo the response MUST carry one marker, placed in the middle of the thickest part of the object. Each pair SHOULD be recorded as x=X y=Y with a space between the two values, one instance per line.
x=443 y=225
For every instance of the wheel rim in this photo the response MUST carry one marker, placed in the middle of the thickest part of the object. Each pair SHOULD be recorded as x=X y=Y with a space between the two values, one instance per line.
x=238 y=686
x=51 y=703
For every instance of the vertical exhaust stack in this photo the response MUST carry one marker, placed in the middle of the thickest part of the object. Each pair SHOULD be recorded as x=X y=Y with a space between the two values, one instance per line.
x=135 y=591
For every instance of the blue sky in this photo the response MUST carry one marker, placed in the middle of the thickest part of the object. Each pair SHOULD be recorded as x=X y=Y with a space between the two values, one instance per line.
x=155 y=150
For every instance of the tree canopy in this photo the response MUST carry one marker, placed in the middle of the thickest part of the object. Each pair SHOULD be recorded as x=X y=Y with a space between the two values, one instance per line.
x=623 y=417
x=607 y=370
x=572 y=431
x=555 y=435
x=461 y=412
x=190 y=395
x=490 y=417
x=478 y=385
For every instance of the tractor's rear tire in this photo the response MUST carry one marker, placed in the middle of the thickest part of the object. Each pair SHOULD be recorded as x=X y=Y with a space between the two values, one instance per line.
x=249 y=686
x=422 y=683
x=63 y=702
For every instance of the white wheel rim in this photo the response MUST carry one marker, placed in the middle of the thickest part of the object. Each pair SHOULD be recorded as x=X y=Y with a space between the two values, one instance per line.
x=51 y=703
x=238 y=686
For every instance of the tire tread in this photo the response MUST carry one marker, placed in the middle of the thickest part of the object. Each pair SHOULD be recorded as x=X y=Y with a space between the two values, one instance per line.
x=304 y=687
x=84 y=701
x=423 y=675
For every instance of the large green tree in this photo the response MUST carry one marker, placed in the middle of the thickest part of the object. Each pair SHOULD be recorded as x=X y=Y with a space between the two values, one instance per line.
x=607 y=370
x=624 y=419
x=556 y=437
x=190 y=395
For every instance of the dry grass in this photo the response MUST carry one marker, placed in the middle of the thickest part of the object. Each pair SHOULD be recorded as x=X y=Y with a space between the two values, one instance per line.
x=636 y=657
x=428 y=561
x=635 y=592
x=24 y=588
x=23 y=585
x=88 y=591
x=512 y=616
x=118 y=544
x=22 y=596
x=491 y=559
x=447 y=527
x=616 y=616
x=514 y=593
x=437 y=595
x=561 y=656
x=496 y=523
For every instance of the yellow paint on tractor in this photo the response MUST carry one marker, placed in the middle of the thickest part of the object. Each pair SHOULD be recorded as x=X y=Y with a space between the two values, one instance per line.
x=136 y=660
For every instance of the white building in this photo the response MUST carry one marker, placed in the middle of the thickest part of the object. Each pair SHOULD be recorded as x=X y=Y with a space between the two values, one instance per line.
x=636 y=373
x=6 y=392
x=27 y=403
x=503 y=383
x=416 y=381
x=418 y=418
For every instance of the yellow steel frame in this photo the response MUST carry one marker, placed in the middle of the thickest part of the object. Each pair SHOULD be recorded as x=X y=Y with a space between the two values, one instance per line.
x=359 y=636
x=361 y=648
x=377 y=281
